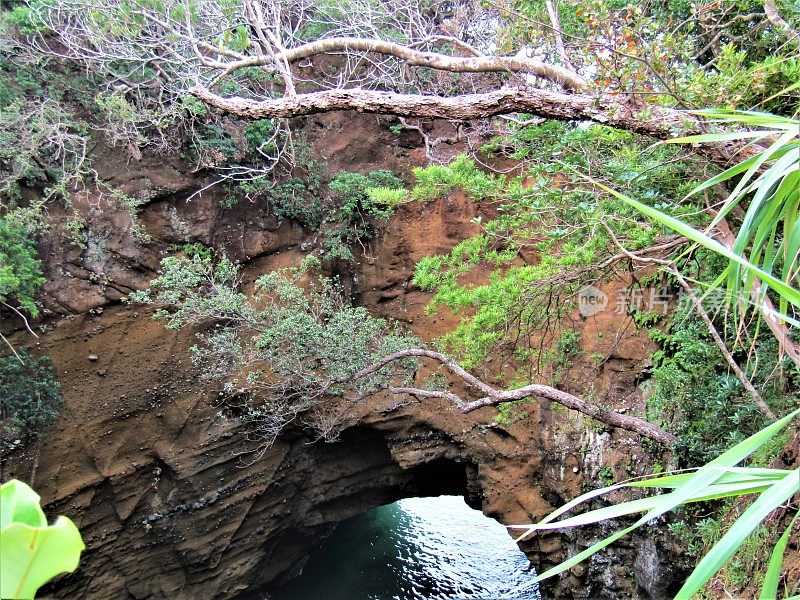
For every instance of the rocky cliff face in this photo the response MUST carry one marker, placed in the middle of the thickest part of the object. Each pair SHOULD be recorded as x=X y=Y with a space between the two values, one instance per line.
x=171 y=501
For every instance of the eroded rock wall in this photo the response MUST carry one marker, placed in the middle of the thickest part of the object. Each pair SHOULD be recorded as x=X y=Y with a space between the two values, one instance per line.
x=170 y=499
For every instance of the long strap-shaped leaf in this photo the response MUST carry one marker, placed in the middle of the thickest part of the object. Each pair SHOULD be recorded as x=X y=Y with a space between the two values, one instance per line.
x=711 y=492
x=725 y=487
x=731 y=475
x=791 y=294
x=769 y=589
x=705 y=476
x=739 y=168
x=749 y=520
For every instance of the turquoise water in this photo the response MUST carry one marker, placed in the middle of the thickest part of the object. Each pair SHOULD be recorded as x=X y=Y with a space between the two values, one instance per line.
x=415 y=549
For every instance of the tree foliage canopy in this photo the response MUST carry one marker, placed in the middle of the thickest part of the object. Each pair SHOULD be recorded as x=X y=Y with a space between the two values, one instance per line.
x=29 y=395
x=20 y=267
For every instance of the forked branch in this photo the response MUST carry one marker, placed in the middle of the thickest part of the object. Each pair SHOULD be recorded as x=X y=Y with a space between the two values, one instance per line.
x=411 y=57
x=494 y=396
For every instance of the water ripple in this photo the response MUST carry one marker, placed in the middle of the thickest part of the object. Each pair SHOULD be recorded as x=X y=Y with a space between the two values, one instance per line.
x=415 y=549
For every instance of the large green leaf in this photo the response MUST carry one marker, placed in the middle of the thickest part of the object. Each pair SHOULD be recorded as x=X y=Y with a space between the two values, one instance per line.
x=20 y=504
x=32 y=552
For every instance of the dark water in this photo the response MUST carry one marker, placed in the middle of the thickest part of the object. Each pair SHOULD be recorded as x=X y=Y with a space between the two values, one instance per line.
x=418 y=548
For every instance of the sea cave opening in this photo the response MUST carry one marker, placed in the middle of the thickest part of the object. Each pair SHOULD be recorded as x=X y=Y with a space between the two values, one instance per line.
x=411 y=533
x=433 y=547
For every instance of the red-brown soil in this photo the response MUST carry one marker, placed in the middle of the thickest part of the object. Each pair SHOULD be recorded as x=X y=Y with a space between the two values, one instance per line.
x=156 y=478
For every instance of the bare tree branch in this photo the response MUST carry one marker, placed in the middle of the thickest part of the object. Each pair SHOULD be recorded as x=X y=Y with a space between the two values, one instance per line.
x=698 y=306
x=494 y=396
x=415 y=58
x=12 y=348
x=774 y=17
x=658 y=122
x=762 y=406
x=555 y=21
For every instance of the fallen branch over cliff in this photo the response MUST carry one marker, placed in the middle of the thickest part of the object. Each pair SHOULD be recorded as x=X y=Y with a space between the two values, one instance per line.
x=290 y=58
x=654 y=121
x=284 y=352
x=493 y=396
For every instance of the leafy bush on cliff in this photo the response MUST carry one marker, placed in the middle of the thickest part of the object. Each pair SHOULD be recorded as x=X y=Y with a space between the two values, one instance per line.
x=353 y=205
x=700 y=400
x=351 y=193
x=284 y=353
x=552 y=233
x=343 y=209
x=435 y=181
x=20 y=267
x=29 y=394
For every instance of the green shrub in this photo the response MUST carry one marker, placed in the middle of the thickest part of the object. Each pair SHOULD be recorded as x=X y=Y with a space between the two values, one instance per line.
x=260 y=137
x=132 y=206
x=700 y=400
x=194 y=107
x=606 y=476
x=20 y=267
x=26 y=20
x=353 y=202
x=197 y=249
x=387 y=196
x=350 y=194
x=435 y=181
x=215 y=140
x=29 y=394
x=512 y=412
x=343 y=209
x=564 y=352
x=298 y=199
x=290 y=349
x=553 y=213
x=336 y=244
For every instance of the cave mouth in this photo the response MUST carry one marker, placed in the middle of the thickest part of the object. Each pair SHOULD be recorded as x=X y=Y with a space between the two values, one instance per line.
x=421 y=547
x=370 y=505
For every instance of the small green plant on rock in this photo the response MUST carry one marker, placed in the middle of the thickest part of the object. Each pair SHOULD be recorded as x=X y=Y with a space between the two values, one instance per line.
x=355 y=200
x=436 y=181
x=565 y=350
x=387 y=196
x=132 y=206
x=351 y=192
x=509 y=413
x=606 y=476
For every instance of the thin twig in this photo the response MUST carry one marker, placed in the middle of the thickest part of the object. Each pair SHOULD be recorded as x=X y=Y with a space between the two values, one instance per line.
x=698 y=306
